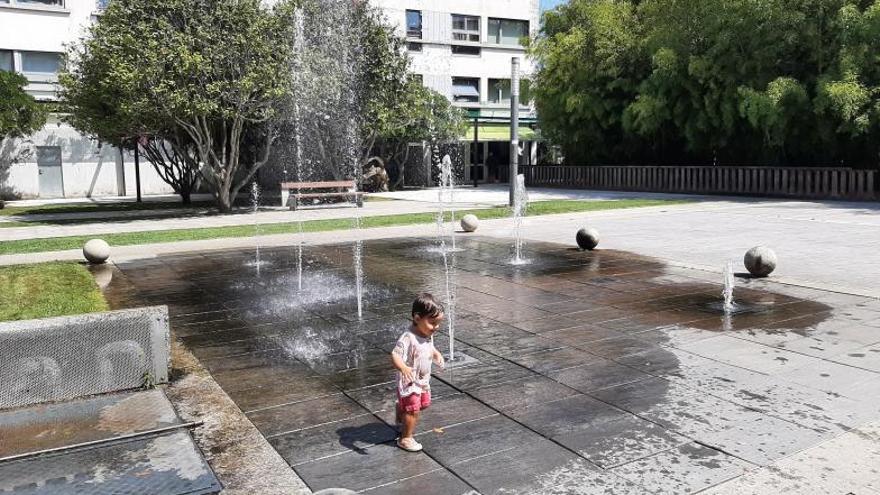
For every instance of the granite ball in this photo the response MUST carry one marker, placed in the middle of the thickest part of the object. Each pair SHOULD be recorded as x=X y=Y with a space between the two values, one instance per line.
x=760 y=261
x=96 y=251
x=470 y=222
x=587 y=238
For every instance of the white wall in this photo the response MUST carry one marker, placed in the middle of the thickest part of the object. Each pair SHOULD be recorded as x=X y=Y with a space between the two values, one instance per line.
x=88 y=170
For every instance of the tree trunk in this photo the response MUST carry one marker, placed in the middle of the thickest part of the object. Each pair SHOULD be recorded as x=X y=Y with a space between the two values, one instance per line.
x=186 y=196
x=224 y=200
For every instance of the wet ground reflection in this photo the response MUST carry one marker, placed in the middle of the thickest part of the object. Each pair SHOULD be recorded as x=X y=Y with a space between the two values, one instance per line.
x=594 y=368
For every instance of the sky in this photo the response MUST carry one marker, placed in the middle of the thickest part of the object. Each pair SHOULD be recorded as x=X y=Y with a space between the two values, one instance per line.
x=549 y=4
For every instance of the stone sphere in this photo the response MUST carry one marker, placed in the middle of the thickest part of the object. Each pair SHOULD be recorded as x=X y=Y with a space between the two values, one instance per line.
x=470 y=222
x=587 y=238
x=96 y=251
x=760 y=261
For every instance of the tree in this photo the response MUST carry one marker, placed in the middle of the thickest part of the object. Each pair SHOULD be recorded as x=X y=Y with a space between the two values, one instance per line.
x=680 y=81
x=201 y=75
x=20 y=114
x=111 y=109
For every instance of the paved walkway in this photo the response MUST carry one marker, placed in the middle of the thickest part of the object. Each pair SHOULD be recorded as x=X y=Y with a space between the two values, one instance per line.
x=117 y=222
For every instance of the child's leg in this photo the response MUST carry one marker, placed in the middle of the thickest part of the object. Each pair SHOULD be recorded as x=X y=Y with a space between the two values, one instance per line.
x=410 y=420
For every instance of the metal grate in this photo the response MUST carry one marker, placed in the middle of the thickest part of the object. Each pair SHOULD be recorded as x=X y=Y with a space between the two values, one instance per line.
x=71 y=356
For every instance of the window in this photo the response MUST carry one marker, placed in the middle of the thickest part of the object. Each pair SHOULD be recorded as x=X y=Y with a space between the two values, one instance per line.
x=499 y=91
x=414 y=47
x=465 y=50
x=50 y=3
x=43 y=63
x=414 y=24
x=507 y=32
x=465 y=28
x=466 y=89
x=102 y=4
x=6 y=60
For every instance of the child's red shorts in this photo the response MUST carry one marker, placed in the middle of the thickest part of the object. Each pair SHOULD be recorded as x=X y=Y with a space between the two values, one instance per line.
x=414 y=402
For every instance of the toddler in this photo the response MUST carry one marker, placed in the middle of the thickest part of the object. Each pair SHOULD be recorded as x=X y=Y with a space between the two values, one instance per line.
x=412 y=356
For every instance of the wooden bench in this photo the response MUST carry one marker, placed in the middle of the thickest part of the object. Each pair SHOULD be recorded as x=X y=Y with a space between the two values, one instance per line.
x=344 y=189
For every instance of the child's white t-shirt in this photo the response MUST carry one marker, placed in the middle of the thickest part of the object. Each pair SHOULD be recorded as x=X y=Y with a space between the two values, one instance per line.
x=416 y=352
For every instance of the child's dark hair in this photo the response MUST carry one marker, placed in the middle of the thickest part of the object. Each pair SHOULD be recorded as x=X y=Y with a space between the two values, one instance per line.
x=426 y=306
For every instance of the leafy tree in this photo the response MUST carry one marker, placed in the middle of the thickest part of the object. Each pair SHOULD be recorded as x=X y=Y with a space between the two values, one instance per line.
x=114 y=110
x=678 y=81
x=201 y=75
x=20 y=114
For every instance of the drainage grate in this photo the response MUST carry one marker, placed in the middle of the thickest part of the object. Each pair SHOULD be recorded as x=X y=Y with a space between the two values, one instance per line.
x=167 y=463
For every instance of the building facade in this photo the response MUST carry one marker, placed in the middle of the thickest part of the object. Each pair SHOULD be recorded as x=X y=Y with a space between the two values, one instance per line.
x=463 y=50
x=58 y=161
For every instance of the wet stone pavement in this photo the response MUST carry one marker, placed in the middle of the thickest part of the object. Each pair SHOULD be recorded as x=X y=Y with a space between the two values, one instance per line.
x=596 y=372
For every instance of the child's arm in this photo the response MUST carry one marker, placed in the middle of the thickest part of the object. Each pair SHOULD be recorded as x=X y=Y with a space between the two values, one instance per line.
x=438 y=359
x=401 y=366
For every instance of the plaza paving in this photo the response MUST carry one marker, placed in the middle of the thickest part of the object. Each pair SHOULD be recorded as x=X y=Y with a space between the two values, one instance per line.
x=603 y=372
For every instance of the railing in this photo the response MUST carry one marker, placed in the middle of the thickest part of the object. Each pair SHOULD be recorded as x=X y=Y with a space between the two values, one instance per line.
x=800 y=182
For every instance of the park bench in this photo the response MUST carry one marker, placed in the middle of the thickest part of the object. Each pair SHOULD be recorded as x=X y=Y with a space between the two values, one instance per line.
x=342 y=189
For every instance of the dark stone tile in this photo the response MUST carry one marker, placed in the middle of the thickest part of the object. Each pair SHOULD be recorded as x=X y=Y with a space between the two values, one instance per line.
x=566 y=415
x=686 y=469
x=383 y=397
x=362 y=377
x=264 y=376
x=354 y=434
x=374 y=467
x=620 y=441
x=582 y=335
x=475 y=438
x=598 y=375
x=446 y=411
x=618 y=347
x=483 y=374
x=554 y=360
x=299 y=415
x=255 y=344
x=522 y=393
x=440 y=482
x=540 y=467
x=279 y=393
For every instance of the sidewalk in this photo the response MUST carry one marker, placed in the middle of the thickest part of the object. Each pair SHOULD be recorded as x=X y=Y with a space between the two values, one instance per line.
x=117 y=222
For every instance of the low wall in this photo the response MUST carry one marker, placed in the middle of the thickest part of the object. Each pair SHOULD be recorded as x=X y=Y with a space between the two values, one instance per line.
x=797 y=182
x=53 y=359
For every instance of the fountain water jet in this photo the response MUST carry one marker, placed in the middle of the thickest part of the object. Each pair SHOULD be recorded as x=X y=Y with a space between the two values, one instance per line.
x=520 y=205
x=447 y=193
x=727 y=291
x=255 y=208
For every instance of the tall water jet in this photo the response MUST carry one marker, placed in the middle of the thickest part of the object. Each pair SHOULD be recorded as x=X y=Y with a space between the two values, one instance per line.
x=255 y=208
x=447 y=194
x=299 y=45
x=727 y=291
x=520 y=205
x=326 y=112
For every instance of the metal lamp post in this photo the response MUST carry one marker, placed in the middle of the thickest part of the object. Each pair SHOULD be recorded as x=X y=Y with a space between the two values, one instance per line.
x=514 y=125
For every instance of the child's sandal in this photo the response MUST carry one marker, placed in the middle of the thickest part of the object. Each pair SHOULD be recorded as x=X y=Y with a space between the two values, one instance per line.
x=409 y=444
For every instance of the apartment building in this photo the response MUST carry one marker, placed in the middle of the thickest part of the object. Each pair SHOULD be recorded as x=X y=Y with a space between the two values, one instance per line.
x=463 y=49
x=58 y=161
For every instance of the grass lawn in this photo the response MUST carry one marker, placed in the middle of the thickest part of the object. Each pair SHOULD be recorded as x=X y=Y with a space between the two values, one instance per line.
x=160 y=236
x=47 y=289
x=100 y=207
